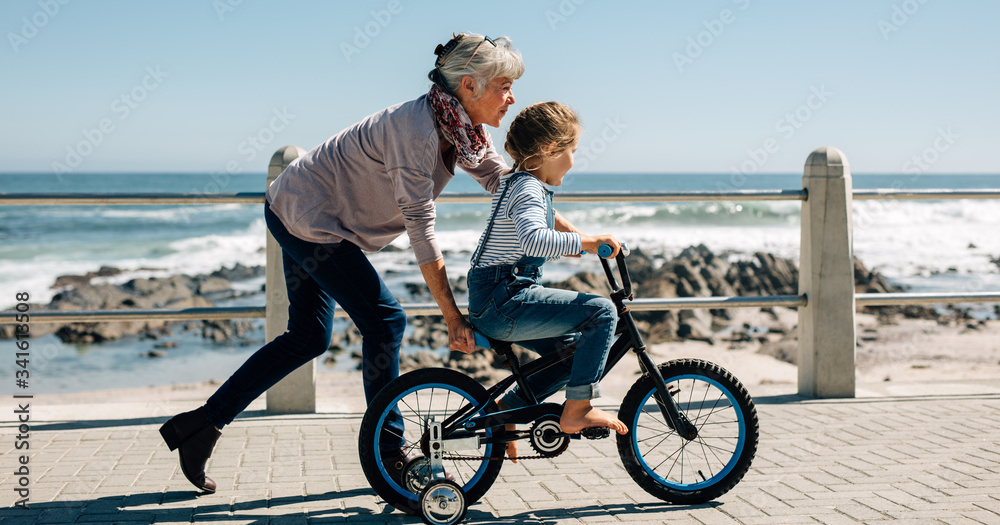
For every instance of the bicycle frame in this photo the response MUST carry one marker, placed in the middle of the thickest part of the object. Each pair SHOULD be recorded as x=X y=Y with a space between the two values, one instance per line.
x=628 y=339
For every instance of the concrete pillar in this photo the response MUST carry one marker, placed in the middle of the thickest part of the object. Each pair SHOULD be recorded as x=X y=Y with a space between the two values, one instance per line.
x=826 y=277
x=296 y=393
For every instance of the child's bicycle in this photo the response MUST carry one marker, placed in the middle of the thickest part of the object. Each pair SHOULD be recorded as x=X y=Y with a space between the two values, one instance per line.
x=692 y=426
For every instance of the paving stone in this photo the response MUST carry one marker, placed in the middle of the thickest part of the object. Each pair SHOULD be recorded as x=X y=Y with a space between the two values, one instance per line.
x=833 y=462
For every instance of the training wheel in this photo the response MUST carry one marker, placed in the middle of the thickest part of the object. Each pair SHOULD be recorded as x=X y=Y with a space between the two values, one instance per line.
x=442 y=502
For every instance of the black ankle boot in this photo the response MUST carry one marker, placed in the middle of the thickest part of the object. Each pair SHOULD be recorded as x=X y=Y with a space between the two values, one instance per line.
x=195 y=436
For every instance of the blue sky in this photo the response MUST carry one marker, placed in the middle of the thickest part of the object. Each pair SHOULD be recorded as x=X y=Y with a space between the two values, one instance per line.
x=681 y=86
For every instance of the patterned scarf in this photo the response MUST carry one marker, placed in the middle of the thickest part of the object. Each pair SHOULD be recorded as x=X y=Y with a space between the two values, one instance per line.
x=470 y=142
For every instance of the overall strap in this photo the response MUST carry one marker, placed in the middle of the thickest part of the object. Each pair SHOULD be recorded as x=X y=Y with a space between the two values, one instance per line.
x=496 y=209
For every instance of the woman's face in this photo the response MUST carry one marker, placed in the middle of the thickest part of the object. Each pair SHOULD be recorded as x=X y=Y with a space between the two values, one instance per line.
x=490 y=108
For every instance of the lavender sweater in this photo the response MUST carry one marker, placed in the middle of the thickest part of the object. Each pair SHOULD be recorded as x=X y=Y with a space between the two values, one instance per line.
x=373 y=181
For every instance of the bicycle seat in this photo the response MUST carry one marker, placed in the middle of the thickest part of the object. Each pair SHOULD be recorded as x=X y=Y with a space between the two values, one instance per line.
x=502 y=348
x=481 y=340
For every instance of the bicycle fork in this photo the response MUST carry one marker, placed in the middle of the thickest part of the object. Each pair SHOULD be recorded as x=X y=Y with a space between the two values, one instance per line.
x=668 y=407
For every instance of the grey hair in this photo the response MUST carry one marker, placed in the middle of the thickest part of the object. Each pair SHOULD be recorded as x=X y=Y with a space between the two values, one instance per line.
x=488 y=62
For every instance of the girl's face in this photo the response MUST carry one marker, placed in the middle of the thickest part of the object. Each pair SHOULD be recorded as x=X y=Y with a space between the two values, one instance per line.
x=556 y=166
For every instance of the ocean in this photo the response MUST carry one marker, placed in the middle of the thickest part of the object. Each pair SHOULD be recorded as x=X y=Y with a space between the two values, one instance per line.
x=922 y=245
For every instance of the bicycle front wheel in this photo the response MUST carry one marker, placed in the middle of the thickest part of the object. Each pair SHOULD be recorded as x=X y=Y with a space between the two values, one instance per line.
x=675 y=469
x=419 y=396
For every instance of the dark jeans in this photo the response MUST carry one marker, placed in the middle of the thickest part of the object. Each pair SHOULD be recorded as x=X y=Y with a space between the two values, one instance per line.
x=318 y=277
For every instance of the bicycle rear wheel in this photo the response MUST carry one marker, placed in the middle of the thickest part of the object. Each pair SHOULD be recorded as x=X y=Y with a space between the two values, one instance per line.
x=420 y=395
x=677 y=470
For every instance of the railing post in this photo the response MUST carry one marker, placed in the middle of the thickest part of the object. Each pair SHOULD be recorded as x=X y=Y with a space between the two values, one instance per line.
x=296 y=393
x=826 y=278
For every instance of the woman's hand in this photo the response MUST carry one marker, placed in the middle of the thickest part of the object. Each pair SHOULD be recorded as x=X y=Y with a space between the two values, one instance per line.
x=460 y=336
x=591 y=244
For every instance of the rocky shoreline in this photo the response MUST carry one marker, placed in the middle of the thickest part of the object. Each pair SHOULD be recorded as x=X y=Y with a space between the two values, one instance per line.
x=178 y=291
x=696 y=272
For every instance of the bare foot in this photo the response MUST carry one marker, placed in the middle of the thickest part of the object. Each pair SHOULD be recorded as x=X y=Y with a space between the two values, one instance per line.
x=578 y=415
x=511 y=445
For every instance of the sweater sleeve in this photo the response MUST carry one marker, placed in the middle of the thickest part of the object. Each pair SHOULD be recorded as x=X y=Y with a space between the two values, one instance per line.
x=410 y=163
x=527 y=211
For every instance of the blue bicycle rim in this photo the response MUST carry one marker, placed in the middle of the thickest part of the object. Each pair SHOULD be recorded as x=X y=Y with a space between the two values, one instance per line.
x=740 y=442
x=378 y=457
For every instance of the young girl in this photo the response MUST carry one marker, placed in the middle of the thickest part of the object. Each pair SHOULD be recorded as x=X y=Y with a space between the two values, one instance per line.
x=505 y=300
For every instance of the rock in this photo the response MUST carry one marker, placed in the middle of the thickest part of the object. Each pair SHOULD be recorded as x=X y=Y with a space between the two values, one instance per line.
x=695 y=272
x=154 y=354
x=77 y=280
x=702 y=316
x=776 y=327
x=481 y=366
x=193 y=301
x=93 y=332
x=695 y=329
x=418 y=291
x=239 y=272
x=213 y=285
x=785 y=349
x=421 y=359
x=428 y=331
x=221 y=331
x=870 y=281
x=8 y=331
x=88 y=297
x=178 y=291
x=585 y=282
x=866 y=281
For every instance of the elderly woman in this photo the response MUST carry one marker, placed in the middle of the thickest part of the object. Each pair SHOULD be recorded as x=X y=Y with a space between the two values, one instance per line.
x=357 y=192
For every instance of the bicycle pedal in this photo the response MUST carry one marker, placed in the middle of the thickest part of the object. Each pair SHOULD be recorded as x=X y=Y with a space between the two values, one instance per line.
x=596 y=433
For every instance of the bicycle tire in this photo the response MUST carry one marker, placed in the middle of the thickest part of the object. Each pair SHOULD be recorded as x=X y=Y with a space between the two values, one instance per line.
x=658 y=459
x=419 y=394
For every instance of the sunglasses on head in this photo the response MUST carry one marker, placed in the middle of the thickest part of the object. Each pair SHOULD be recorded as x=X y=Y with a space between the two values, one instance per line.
x=444 y=50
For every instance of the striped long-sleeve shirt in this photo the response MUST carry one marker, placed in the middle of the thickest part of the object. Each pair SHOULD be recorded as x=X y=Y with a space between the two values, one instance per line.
x=521 y=226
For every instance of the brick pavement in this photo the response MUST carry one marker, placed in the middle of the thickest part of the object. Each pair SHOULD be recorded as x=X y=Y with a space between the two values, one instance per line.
x=927 y=458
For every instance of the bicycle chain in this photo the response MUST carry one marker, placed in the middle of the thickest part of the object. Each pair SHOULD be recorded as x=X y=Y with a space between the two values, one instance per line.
x=504 y=458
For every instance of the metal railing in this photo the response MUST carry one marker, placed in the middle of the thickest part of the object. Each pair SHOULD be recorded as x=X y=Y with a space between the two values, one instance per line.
x=926 y=195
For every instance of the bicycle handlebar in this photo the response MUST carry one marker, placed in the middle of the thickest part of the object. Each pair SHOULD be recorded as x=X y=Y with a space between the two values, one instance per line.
x=604 y=251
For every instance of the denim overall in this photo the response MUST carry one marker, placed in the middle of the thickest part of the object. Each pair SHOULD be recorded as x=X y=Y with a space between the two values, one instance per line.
x=508 y=303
